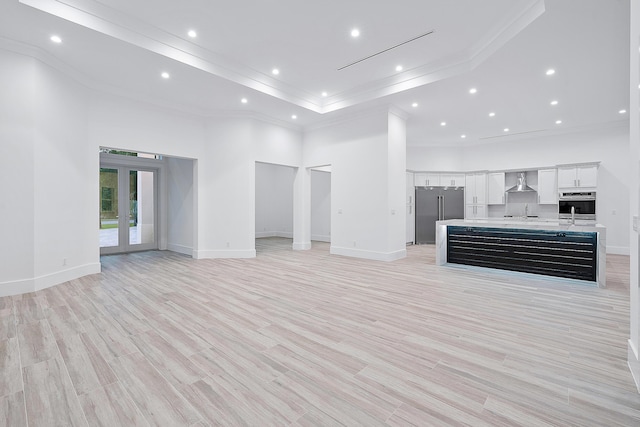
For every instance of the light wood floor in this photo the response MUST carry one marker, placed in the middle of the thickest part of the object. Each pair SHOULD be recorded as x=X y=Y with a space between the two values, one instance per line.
x=308 y=339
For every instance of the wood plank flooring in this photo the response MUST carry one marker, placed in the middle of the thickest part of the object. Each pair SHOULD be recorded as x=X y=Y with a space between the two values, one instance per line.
x=303 y=338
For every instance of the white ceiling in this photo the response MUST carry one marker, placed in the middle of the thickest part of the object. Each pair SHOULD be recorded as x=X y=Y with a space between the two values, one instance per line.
x=500 y=47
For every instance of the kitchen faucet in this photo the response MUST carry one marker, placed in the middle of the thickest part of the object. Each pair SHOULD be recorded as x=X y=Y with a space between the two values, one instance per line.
x=573 y=215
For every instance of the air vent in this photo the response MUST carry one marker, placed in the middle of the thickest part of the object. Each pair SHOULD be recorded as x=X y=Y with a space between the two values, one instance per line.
x=386 y=50
x=514 y=133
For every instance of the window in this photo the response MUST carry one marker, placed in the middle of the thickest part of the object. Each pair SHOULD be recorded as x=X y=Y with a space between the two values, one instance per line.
x=106 y=199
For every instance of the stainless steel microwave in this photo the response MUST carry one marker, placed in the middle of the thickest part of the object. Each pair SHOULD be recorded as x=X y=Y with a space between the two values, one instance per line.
x=583 y=203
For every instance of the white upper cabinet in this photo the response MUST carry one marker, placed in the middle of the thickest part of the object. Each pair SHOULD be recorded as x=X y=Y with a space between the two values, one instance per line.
x=452 y=179
x=547 y=187
x=427 y=179
x=578 y=176
x=436 y=179
x=496 y=188
x=476 y=189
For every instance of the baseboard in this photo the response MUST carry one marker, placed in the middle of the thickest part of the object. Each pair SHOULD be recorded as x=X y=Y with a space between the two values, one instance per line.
x=181 y=249
x=285 y=234
x=634 y=363
x=46 y=281
x=618 y=250
x=360 y=253
x=227 y=253
x=305 y=246
x=261 y=234
x=321 y=238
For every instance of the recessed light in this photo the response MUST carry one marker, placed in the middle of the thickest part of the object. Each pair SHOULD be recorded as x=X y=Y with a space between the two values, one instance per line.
x=324 y=94
x=506 y=129
x=165 y=75
x=554 y=102
x=192 y=34
x=55 y=39
x=473 y=90
x=443 y=123
x=550 y=72
x=398 y=67
x=558 y=122
x=275 y=71
x=244 y=100
x=622 y=111
x=355 y=33
x=293 y=116
x=463 y=136
x=492 y=114
x=414 y=105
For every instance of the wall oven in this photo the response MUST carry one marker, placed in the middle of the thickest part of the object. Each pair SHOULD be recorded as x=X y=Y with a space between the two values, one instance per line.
x=584 y=204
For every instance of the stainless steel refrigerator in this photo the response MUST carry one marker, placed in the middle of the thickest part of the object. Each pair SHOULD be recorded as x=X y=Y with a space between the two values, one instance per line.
x=435 y=204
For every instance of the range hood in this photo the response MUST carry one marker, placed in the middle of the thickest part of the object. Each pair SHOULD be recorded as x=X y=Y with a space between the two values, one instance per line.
x=521 y=186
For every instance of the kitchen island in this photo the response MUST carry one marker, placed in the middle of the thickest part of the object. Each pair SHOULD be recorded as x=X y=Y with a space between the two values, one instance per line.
x=548 y=247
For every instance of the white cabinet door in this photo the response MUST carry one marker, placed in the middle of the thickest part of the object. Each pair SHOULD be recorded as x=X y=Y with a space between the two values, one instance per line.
x=567 y=178
x=587 y=176
x=410 y=208
x=547 y=187
x=446 y=180
x=578 y=177
x=433 y=180
x=452 y=180
x=495 y=188
x=476 y=211
x=481 y=188
x=420 y=179
x=476 y=188
x=470 y=189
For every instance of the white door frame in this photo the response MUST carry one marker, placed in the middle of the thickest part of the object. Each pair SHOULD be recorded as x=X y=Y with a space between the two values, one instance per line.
x=125 y=164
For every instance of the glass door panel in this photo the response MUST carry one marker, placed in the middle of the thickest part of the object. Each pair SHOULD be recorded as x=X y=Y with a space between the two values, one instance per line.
x=142 y=205
x=128 y=209
x=109 y=226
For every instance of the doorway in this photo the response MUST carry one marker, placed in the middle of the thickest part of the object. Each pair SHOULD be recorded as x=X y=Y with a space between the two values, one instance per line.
x=273 y=207
x=321 y=204
x=128 y=208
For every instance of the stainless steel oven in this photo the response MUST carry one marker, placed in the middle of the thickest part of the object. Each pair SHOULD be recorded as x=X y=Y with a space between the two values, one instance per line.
x=583 y=203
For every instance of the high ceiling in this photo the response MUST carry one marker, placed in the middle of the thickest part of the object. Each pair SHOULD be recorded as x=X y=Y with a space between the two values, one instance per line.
x=502 y=48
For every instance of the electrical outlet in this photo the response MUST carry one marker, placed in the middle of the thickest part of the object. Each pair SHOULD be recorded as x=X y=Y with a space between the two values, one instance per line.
x=228 y=244
x=354 y=243
x=64 y=261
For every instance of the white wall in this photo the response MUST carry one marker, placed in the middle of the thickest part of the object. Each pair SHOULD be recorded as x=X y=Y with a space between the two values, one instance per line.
x=66 y=181
x=180 y=205
x=361 y=196
x=320 y=206
x=608 y=146
x=49 y=205
x=225 y=150
x=396 y=179
x=17 y=122
x=444 y=159
x=274 y=200
x=634 y=188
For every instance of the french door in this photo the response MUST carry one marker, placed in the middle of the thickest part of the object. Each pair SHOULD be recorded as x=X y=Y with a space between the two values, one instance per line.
x=128 y=209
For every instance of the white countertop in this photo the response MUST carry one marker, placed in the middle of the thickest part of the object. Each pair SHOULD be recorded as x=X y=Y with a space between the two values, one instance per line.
x=530 y=223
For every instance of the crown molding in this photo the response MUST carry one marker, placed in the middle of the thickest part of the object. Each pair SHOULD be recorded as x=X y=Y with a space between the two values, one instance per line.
x=104 y=19
x=99 y=89
x=533 y=134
